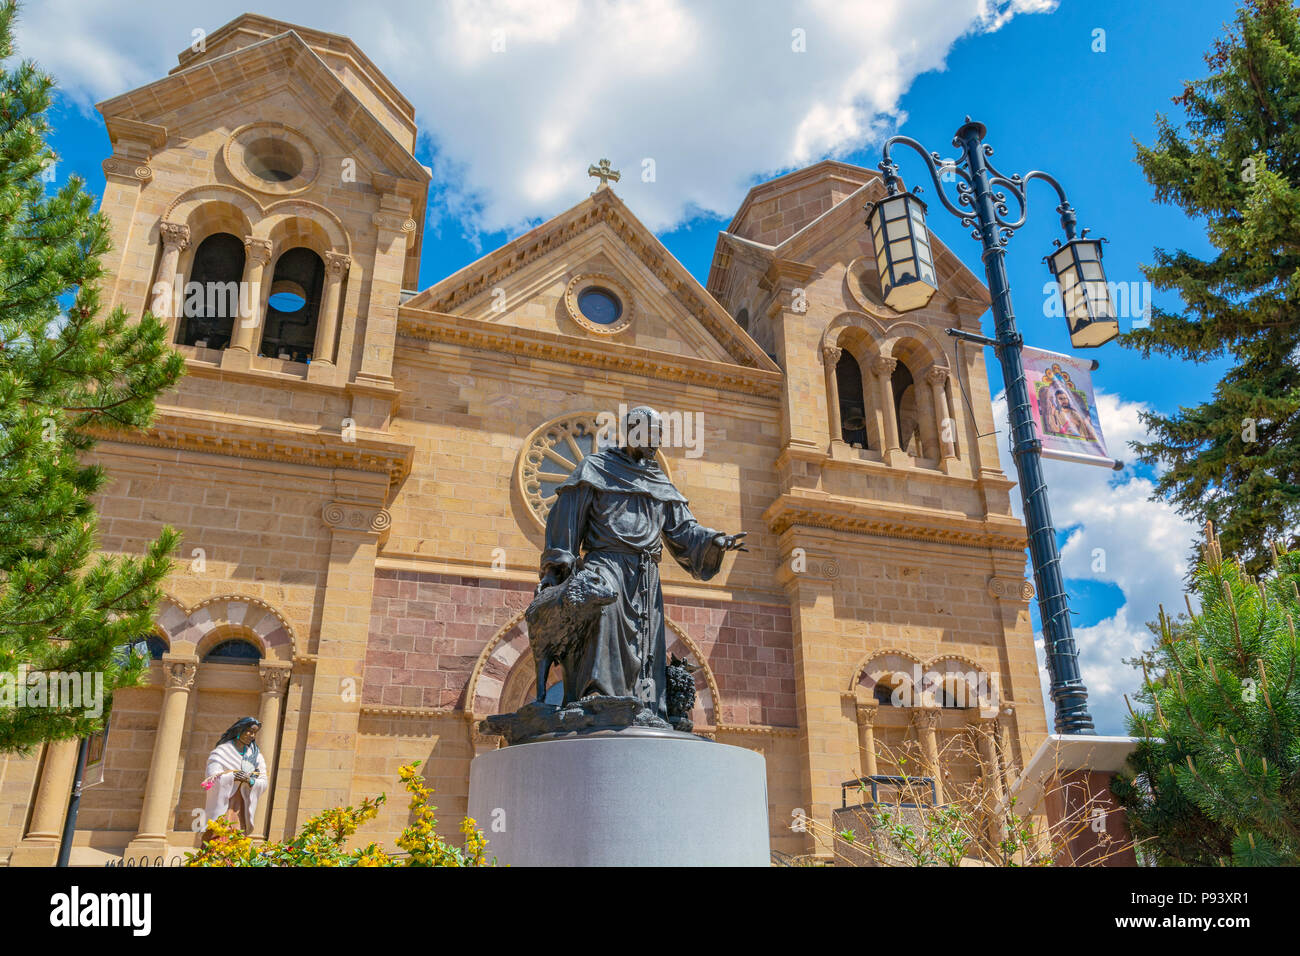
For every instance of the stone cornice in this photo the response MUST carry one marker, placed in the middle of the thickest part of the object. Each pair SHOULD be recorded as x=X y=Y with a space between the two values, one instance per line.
x=379 y=710
x=785 y=270
x=855 y=516
x=765 y=730
x=123 y=130
x=241 y=437
x=417 y=324
x=816 y=455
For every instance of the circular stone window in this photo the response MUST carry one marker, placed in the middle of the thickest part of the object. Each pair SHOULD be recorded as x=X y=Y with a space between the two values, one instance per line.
x=271 y=158
x=599 y=303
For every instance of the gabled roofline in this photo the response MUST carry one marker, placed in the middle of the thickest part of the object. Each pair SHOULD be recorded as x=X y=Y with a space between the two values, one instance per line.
x=847 y=173
x=601 y=206
x=796 y=246
x=305 y=59
x=336 y=42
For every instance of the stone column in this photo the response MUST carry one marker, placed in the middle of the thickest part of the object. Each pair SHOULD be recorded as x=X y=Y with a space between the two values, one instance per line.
x=275 y=678
x=926 y=720
x=946 y=427
x=882 y=368
x=257 y=253
x=41 y=845
x=1002 y=737
x=394 y=230
x=179 y=671
x=327 y=323
x=830 y=359
x=128 y=266
x=983 y=729
x=356 y=528
x=175 y=239
x=866 y=715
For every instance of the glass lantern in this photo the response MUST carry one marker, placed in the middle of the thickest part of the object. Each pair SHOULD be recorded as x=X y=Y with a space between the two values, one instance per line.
x=1089 y=310
x=904 y=257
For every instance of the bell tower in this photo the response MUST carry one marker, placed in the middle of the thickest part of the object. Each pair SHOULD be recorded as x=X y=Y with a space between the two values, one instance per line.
x=266 y=203
x=901 y=559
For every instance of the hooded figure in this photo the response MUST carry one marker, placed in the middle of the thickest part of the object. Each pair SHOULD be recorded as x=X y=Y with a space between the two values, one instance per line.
x=611 y=518
x=236 y=775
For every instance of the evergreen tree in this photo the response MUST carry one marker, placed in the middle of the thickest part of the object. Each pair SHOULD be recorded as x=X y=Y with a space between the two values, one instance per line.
x=66 y=375
x=1235 y=458
x=1216 y=778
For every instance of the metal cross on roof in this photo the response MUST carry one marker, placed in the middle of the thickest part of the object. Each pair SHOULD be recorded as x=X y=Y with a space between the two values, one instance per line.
x=603 y=173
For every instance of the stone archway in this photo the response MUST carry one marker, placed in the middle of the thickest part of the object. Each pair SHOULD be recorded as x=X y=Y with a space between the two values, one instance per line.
x=186 y=628
x=504 y=677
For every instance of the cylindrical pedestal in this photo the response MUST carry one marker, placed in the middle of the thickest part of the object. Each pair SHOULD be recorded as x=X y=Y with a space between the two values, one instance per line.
x=622 y=800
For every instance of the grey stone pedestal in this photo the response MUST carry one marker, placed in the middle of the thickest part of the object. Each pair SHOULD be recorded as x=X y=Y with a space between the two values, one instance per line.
x=622 y=800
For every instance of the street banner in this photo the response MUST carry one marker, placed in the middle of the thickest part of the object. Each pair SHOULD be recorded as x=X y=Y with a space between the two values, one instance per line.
x=1064 y=408
x=93 y=775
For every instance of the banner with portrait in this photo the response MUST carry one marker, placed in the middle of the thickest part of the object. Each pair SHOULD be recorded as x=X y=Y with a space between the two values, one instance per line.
x=1064 y=407
x=96 y=754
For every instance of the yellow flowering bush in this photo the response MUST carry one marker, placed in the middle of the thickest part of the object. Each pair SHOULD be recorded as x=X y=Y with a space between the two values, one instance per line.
x=321 y=841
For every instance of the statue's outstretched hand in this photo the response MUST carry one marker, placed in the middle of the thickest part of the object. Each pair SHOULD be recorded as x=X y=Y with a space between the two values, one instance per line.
x=732 y=542
x=549 y=579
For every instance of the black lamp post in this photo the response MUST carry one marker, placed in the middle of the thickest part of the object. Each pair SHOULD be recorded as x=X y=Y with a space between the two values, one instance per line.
x=905 y=263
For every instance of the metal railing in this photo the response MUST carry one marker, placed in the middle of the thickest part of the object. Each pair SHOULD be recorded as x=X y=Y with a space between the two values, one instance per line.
x=174 y=860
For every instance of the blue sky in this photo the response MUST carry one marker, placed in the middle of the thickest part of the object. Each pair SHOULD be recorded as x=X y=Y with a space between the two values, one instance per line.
x=1027 y=70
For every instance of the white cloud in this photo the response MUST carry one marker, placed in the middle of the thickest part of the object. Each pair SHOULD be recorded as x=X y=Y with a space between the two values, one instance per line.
x=1144 y=546
x=712 y=92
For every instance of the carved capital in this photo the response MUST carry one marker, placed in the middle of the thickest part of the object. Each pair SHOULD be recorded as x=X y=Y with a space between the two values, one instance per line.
x=337 y=264
x=179 y=674
x=394 y=223
x=937 y=375
x=925 y=718
x=258 y=250
x=127 y=169
x=831 y=355
x=174 y=235
x=275 y=678
x=354 y=516
x=866 y=713
x=883 y=365
x=1010 y=589
x=1005 y=715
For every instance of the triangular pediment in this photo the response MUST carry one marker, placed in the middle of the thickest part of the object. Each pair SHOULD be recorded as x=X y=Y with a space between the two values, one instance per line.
x=530 y=283
x=340 y=53
x=191 y=96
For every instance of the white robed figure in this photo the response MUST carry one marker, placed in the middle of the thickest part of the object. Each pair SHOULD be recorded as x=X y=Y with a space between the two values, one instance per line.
x=236 y=775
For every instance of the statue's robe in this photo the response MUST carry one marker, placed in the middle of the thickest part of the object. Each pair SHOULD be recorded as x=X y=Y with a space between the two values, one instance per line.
x=226 y=790
x=611 y=517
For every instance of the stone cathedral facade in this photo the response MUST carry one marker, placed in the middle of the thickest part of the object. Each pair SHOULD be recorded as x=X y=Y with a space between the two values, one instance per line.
x=362 y=468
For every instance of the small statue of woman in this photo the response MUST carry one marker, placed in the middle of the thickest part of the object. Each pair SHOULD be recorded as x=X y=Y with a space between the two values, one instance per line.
x=236 y=776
